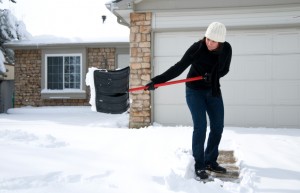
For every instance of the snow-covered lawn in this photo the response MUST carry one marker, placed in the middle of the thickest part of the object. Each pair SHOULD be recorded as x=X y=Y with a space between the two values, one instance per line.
x=76 y=150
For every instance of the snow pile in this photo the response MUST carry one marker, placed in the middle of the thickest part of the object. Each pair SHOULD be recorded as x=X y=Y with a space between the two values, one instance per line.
x=89 y=80
x=74 y=149
x=2 y=60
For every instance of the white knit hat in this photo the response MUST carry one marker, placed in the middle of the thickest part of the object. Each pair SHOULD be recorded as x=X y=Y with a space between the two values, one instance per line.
x=216 y=31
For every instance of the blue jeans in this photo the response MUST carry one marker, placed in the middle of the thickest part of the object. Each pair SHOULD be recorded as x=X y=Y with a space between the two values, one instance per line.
x=201 y=102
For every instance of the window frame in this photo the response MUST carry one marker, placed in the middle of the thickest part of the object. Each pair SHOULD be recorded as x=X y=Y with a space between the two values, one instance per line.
x=64 y=73
x=65 y=93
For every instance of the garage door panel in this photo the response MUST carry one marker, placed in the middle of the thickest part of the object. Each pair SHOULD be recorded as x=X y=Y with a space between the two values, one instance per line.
x=257 y=93
x=258 y=116
x=163 y=63
x=246 y=93
x=286 y=67
x=251 y=67
x=180 y=42
x=232 y=92
x=248 y=116
x=286 y=93
x=250 y=43
x=172 y=115
x=172 y=94
x=234 y=116
x=233 y=39
x=287 y=117
x=286 y=42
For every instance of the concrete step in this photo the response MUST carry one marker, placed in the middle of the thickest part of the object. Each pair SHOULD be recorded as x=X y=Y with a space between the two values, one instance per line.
x=227 y=159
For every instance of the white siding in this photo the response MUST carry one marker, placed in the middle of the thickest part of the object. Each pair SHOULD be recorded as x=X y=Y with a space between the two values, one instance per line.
x=123 y=60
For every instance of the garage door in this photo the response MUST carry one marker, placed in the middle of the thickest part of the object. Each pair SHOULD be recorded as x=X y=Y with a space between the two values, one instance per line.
x=261 y=89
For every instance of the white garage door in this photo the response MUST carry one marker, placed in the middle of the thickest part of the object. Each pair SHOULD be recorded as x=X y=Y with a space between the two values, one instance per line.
x=261 y=89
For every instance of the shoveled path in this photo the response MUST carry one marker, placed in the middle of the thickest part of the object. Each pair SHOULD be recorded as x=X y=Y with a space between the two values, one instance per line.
x=227 y=160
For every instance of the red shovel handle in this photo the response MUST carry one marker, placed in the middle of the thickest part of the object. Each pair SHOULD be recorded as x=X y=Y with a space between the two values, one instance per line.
x=167 y=83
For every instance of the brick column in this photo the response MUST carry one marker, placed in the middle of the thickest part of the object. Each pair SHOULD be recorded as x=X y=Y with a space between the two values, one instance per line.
x=140 y=68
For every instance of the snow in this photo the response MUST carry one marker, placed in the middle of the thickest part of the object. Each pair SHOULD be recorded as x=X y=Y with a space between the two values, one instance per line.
x=89 y=80
x=2 y=60
x=74 y=149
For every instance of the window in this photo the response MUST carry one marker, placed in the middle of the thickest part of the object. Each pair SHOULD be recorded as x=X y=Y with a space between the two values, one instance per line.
x=63 y=72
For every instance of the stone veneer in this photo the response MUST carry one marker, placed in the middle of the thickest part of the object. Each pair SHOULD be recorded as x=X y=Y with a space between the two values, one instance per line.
x=102 y=58
x=28 y=76
x=140 y=68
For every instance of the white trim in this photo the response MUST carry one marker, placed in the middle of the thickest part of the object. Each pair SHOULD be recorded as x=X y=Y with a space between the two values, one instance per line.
x=46 y=72
x=46 y=91
x=241 y=17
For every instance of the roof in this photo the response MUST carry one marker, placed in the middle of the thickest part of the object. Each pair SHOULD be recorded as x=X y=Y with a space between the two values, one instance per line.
x=122 y=9
x=51 y=41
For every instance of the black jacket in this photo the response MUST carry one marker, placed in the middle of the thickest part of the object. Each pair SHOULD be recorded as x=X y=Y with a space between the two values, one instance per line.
x=202 y=61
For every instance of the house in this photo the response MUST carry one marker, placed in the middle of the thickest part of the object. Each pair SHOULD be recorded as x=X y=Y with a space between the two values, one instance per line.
x=53 y=73
x=262 y=88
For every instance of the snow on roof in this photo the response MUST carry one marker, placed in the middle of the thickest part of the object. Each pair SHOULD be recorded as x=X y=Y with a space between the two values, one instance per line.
x=48 y=40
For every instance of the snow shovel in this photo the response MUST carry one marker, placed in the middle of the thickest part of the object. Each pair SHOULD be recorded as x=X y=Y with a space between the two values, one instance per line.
x=112 y=89
x=167 y=83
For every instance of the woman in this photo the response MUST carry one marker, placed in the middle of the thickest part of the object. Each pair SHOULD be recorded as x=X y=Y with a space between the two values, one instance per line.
x=210 y=58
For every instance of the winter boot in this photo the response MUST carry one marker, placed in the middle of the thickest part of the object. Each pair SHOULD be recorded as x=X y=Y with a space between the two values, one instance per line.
x=201 y=174
x=216 y=168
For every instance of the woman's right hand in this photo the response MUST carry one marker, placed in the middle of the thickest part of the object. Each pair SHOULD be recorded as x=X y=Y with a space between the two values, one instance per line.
x=150 y=86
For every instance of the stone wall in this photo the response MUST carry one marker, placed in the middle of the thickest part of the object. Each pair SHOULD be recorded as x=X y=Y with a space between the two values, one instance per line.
x=140 y=68
x=102 y=58
x=28 y=76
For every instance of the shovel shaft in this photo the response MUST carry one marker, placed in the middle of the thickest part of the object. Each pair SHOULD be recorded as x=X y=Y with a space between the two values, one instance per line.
x=167 y=83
